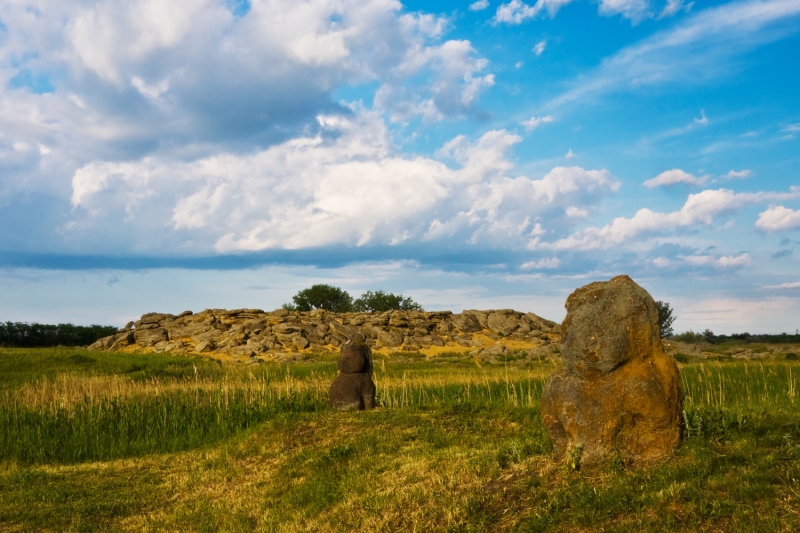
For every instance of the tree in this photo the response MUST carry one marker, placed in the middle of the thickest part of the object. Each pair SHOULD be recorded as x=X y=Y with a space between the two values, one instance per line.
x=384 y=301
x=665 y=318
x=322 y=296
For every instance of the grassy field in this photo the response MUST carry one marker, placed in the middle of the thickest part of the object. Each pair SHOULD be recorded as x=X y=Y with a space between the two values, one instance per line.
x=93 y=441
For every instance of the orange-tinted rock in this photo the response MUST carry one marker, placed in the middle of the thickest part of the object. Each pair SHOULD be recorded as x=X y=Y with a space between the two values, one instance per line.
x=353 y=387
x=618 y=394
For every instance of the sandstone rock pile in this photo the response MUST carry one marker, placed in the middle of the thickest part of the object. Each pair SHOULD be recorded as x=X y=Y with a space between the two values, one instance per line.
x=353 y=387
x=618 y=393
x=249 y=333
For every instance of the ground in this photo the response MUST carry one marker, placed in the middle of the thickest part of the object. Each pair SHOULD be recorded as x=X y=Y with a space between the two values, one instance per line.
x=104 y=441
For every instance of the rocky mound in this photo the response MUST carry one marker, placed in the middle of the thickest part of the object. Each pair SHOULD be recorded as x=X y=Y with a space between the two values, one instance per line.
x=253 y=333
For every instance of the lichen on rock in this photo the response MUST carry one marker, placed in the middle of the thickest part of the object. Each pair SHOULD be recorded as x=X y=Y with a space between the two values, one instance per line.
x=617 y=394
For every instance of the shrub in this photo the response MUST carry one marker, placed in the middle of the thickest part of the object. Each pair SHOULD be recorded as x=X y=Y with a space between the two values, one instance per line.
x=380 y=301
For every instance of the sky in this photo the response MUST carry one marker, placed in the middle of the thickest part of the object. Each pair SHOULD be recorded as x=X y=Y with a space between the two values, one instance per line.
x=163 y=156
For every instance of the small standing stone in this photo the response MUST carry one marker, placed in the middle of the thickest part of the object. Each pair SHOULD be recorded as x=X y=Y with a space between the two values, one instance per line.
x=353 y=387
x=618 y=393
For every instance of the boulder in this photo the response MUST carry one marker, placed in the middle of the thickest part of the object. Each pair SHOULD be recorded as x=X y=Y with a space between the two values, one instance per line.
x=618 y=393
x=149 y=337
x=502 y=323
x=465 y=322
x=390 y=339
x=353 y=387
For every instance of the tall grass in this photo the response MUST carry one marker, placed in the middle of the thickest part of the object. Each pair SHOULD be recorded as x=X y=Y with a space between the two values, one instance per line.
x=74 y=418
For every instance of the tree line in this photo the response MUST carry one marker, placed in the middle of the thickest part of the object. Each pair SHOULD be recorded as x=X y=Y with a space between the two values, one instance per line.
x=24 y=335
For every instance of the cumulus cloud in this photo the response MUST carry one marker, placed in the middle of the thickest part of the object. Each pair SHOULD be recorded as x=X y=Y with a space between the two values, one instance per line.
x=346 y=185
x=738 y=174
x=673 y=177
x=516 y=12
x=700 y=208
x=142 y=76
x=635 y=10
x=480 y=5
x=778 y=218
x=456 y=83
x=534 y=122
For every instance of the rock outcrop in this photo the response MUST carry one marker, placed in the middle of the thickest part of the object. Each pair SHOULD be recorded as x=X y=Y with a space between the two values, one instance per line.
x=245 y=334
x=618 y=393
x=353 y=388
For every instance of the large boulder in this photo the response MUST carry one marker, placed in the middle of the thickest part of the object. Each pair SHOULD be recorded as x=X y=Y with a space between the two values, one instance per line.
x=353 y=387
x=618 y=393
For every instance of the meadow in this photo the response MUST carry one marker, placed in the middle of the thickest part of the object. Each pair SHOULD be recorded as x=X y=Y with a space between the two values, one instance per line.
x=95 y=441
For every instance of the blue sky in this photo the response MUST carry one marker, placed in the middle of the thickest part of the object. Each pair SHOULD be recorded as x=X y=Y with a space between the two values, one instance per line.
x=221 y=153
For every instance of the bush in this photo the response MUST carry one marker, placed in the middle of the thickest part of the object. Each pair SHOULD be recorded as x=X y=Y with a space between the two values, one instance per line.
x=322 y=296
x=380 y=301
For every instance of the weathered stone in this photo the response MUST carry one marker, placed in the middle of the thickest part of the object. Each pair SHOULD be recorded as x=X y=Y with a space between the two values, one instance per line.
x=149 y=337
x=203 y=346
x=155 y=318
x=465 y=322
x=398 y=320
x=497 y=349
x=618 y=393
x=502 y=323
x=124 y=338
x=353 y=387
x=300 y=342
x=342 y=332
x=389 y=339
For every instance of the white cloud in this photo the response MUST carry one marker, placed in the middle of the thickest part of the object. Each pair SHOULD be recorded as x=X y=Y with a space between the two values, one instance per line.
x=534 y=122
x=703 y=120
x=674 y=176
x=343 y=186
x=790 y=285
x=700 y=208
x=693 y=50
x=539 y=48
x=738 y=174
x=516 y=12
x=673 y=7
x=552 y=262
x=454 y=88
x=570 y=154
x=792 y=128
x=635 y=10
x=479 y=5
x=778 y=218
x=722 y=262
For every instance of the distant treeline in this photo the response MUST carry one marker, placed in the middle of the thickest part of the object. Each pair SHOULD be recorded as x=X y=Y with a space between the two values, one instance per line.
x=23 y=335
x=708 y=336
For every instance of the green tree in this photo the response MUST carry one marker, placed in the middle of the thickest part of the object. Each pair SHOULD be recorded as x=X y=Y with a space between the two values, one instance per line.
x=384 y=301
x=322 y=296
x=665 y=318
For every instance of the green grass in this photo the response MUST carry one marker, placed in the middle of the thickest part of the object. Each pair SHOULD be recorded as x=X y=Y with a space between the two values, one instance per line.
x=454 y=446
x=24 y=365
